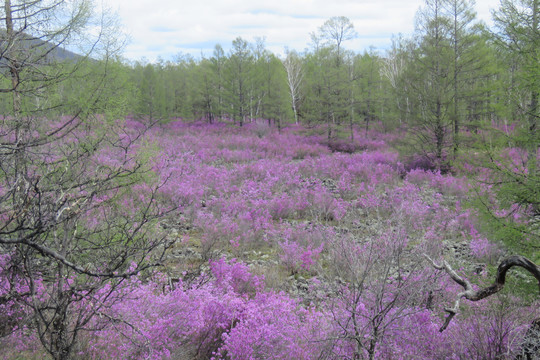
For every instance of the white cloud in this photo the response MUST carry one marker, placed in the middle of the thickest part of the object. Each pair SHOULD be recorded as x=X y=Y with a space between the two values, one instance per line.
x=167 y=27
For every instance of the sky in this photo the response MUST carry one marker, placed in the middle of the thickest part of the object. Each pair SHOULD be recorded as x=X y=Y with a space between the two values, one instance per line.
x=166 y=28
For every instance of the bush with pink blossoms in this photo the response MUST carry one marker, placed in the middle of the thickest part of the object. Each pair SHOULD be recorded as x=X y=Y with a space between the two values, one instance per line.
x=157 y=322
x=482 y=248
x=445 y=184
x=295 y=257
x=302 y=204
x=301 y=245
x=226 y=315
x=274 y=326
x=236 y=275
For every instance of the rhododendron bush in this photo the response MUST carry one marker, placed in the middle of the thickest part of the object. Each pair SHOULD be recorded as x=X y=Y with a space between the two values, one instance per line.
x=280 y=249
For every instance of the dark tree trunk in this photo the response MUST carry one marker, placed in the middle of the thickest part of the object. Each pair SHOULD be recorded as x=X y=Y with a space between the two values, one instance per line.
x=476 y=295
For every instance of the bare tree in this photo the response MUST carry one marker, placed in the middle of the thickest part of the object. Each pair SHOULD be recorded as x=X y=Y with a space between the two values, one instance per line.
x=336 y=30
x=70 y=222
x=382 y=283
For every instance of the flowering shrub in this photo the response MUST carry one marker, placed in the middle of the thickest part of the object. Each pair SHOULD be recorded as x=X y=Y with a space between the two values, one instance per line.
x=348 y=218
x=229 y=315
x=295 y=257
x=445 y=184
x=274 y=326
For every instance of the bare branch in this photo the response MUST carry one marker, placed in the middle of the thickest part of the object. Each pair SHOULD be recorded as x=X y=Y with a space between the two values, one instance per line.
x=476 y=295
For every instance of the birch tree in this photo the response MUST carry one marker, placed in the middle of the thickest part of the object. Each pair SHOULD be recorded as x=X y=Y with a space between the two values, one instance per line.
x=295 y=77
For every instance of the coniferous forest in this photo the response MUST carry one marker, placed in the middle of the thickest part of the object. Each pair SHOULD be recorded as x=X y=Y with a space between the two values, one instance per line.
x=321 y=204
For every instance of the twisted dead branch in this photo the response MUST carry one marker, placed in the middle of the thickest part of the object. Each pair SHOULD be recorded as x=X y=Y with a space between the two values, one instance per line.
x=475 y=295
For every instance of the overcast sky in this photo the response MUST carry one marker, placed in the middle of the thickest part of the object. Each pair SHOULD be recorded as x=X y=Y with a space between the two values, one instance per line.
x=168 y=27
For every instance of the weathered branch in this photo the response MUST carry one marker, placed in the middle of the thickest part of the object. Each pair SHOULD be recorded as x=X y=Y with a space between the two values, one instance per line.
x=475 y=295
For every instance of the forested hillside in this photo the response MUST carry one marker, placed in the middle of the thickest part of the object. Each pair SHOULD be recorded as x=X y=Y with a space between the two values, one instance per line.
x=321 y=204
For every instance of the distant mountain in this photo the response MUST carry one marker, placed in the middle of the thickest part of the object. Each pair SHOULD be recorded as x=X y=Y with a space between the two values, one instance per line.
x=35 y=50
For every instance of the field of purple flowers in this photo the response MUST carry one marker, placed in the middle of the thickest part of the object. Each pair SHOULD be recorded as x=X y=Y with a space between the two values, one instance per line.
x=285 y=249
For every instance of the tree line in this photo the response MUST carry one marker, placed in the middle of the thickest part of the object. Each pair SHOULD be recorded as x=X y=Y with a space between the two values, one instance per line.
x=450 y=78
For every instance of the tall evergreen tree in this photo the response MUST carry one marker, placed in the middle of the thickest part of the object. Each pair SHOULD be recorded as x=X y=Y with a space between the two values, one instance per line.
x=431 y=82
x=518 y=34
x=218 y=61
x=518 y=31
x=463 y=40
x=238 y=79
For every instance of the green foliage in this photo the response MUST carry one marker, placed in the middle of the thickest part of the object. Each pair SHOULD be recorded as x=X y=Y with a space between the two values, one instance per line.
x=447 y=85
x=499 y=229
x=370 y=90
x=516 y=170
